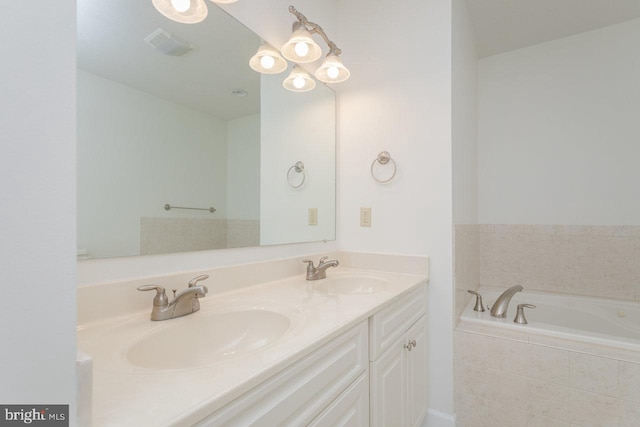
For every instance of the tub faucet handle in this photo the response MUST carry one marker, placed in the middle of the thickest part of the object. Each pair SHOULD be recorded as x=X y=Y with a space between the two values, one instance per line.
x=520 y=319
x=479 y=306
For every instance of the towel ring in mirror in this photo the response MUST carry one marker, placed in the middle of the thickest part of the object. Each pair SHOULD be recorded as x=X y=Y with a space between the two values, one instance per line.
x=383 y=159
x=298 y=168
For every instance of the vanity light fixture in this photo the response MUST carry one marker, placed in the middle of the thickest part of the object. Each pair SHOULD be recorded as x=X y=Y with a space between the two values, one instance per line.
x=301 y=49
x=332 y=70
x=299 y=80
x=268 y=60
x=185 y=11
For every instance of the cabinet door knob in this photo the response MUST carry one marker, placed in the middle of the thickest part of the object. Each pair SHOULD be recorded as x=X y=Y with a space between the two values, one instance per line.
x=408 y=346
x=413 y=343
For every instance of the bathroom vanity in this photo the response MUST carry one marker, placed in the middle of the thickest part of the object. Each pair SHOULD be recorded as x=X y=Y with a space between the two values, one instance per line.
x=286 y=352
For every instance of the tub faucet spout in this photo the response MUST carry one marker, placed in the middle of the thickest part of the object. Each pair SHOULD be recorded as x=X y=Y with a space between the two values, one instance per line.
x=499 y=308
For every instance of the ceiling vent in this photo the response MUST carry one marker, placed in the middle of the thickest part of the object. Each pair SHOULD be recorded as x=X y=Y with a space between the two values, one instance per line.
x=169 y=44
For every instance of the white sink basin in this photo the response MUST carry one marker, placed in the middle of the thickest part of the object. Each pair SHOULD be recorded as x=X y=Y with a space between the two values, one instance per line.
x=207 y=338
x=352 y=284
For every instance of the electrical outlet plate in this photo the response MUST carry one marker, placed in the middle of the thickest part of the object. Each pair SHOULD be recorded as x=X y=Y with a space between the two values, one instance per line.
x=313 y=216
x=365 y=217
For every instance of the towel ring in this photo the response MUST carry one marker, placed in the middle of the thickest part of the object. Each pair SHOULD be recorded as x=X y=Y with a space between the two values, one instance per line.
x=299 y=168
x=384 y=158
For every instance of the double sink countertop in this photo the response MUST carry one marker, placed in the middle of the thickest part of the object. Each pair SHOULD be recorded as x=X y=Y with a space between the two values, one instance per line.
x=178 y=371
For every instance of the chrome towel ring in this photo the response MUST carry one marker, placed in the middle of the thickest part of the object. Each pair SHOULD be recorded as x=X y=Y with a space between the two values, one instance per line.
x=384 y=158
x=298 y=168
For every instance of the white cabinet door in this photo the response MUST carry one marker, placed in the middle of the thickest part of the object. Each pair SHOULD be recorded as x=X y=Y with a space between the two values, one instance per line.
x=389 y=387
x=350 y=409
x=417 y=373
x=399 y=380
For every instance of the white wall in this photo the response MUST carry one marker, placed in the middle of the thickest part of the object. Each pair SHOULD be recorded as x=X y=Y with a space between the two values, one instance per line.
x=309 y=136
x=464 y=87
x=558 y=127
x=464 y=117
x=37 y=203
x=136 y=153
x=243 y=168
x=399 y=99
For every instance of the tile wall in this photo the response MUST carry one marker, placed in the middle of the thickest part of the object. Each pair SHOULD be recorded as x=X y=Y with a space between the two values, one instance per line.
x=504 y=382
x=601 y=261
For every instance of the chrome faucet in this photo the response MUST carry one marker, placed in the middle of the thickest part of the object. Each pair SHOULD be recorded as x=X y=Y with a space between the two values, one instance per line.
x=186 y=302
x=319 y=272
x=479 y=306
x=520 y=319
x=499 y=308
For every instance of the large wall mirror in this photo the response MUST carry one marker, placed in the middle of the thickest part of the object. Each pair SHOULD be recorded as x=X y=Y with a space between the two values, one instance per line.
x=171 y=114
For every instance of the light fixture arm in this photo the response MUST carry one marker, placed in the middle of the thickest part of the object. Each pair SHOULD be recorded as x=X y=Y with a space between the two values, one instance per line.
x=314 y=28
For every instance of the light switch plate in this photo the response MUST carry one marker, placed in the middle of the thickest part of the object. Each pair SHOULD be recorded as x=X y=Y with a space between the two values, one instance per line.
x=313 y=216
x=365 y=217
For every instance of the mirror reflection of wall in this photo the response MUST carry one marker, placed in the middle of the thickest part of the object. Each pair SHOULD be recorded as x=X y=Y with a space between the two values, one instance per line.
x=294 y=126
x=138 y=152
x=157 y=129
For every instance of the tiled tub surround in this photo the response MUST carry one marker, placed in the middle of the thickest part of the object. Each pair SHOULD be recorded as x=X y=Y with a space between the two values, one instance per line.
x=601 y=261
x=526 y=380
x=523 y=375
x=126 y=395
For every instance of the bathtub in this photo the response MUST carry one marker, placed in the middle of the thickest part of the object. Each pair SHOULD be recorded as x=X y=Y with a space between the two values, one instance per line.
x=593 y=320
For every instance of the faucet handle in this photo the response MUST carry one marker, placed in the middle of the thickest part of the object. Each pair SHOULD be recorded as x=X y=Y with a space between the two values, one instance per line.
x=309 y=262
x=479 y=306
x=195 y=280
x=323 y=259
x=520 y=314
x=161 y=297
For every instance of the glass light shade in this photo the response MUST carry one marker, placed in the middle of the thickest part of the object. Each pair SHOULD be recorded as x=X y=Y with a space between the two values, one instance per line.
x=196 y=12
x=299 y=81
x=299 y=36
x=332 y=70
x=260 y=61
x=224 y=1
x=181 y=5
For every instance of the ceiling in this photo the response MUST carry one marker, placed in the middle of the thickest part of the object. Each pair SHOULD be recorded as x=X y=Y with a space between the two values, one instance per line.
x=505 y=25
x=111 y=44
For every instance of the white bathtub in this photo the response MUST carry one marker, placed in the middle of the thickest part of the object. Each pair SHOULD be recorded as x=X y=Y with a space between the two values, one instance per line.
x=595 y=320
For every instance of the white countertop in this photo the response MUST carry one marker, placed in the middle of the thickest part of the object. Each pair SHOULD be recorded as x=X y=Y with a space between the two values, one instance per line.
x=127 y=395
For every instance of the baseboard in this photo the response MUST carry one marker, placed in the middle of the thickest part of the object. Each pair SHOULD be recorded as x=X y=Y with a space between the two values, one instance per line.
x=439 y=419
